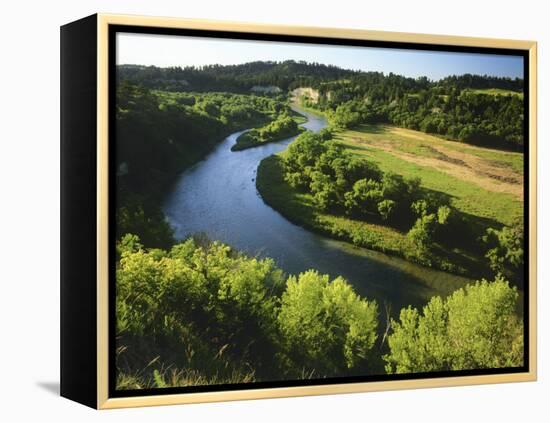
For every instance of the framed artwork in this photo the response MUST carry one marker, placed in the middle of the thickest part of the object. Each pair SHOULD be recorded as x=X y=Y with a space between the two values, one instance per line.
x=253 y=211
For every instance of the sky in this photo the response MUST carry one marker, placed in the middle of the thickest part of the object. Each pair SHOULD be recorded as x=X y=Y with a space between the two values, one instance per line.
x=168 y=50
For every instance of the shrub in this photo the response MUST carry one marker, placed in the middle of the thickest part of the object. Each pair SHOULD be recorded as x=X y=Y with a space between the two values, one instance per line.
x=476 y=327
x=325 y=326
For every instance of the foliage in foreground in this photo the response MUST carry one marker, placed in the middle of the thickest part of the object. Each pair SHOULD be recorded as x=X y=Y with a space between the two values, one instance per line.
x=326 y=324
x=202 y=313
x=476 y=327
x=207 y=308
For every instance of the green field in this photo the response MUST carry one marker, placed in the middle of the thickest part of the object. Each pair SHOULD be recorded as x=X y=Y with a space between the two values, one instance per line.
x=494 y=91
x=483 y=185
x=482 y=182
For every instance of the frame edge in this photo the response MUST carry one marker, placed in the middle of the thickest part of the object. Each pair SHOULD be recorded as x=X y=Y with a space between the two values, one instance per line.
x=77 y=211
x=103 y=400
x=102 y=176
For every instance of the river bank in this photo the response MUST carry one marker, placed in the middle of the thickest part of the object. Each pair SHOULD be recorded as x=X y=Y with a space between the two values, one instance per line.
x=218 y=198
x=300 y=209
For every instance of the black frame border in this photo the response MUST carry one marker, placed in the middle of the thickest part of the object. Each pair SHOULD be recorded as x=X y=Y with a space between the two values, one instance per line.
x=236 y=35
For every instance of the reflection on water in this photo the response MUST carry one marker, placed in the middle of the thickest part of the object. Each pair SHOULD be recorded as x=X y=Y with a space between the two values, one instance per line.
x=218 y=197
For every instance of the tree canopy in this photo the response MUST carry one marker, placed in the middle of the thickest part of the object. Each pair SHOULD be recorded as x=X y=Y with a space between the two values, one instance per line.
x=217 y=309
x=476 y=327
x=326 y=327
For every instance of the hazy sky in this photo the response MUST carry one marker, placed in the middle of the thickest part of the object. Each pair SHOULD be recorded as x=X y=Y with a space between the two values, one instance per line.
x=167 y=50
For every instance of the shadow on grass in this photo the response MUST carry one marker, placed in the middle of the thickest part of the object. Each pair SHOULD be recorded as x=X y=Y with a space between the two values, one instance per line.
x=371 y=128
x=363 y=148
x=458 y=243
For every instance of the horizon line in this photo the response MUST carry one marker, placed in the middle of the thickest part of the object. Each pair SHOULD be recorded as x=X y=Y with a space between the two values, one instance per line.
x=200 y=67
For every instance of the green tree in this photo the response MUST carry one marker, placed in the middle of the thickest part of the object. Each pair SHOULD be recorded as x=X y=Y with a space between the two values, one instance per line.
x=168 y=297
x=364 y=197
x=326 y=327
x=323 y=190
x=505 y=249
x=345 y=116
x=443 y=215
x=304 y=151
x=476 y=327
x=151 y=227
x=386 y=209
x=421 y=234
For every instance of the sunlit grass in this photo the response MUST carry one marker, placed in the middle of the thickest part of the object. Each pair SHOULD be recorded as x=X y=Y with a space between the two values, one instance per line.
x=494 y=91
x=466 y=196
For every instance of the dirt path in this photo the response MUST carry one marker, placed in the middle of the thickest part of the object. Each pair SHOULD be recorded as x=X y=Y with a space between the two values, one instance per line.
x=490 y=175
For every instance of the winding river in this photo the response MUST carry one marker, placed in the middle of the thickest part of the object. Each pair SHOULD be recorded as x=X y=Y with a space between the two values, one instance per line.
x=218 y=197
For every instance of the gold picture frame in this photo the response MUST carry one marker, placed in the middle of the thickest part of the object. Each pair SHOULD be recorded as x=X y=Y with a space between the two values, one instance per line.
x=97 y=35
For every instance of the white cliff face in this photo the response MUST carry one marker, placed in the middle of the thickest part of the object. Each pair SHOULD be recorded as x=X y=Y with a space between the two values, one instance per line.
x=311 y=93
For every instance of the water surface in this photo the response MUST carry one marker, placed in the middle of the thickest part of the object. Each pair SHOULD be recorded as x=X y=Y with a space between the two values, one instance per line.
x=218 y=197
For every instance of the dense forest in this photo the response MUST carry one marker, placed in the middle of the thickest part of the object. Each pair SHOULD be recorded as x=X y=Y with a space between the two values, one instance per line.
x=285 y=76
x=483 y=110
x=290 y=74
x=475 y=117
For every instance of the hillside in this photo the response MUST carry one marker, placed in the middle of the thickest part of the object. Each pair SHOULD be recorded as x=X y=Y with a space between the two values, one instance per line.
x=235 y=78
x=476 y=109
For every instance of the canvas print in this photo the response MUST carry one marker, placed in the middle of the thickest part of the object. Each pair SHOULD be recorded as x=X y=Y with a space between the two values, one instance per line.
x=295 y=213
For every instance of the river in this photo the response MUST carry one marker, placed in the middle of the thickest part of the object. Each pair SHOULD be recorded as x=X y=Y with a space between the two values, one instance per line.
x=218 y=197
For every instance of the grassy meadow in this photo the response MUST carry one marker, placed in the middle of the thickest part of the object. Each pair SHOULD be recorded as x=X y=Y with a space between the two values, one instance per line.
x=495 y=91
x=483 y=185
x=480 y=182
